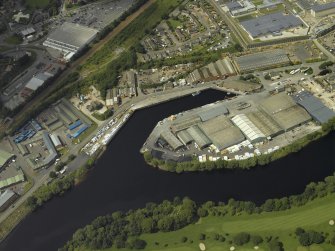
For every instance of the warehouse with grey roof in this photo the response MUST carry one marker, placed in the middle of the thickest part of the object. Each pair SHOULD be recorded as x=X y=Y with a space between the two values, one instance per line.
x=283 y=109
x=273 y=23
x=222 y=132
x=261 y=61
x=321 y=10
x=314 y=106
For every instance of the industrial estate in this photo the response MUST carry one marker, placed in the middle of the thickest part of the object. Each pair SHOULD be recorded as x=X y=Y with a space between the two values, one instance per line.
x=74 y=71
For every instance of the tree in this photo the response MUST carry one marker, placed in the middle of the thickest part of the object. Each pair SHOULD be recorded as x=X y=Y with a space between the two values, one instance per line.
x=299 y=231
x=241 y=238
x=256 y=239
x=202 y=212
x=52 y=175
x=138 y=244
x=32 y=202
x=202 y=236
x=183 y=239
x=304 y=239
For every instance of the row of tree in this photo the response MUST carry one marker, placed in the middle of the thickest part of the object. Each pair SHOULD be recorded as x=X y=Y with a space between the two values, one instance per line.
x=58 y=186
x=121 y=229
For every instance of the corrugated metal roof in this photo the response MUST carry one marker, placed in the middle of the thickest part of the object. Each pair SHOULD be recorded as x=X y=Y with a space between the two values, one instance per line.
x=262 y=60
x=216 y=110
x=184 y=137
x=314 y=106
x=248 y=128
x=322 y=7
x=199 y=137
x=6 y=196
x=51 y=148
x=172 y=140
x=275 y=22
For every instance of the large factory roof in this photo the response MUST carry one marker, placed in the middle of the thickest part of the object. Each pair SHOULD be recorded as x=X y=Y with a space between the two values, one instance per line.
x=322 y=7
x=284 y=111
x=216 y=124
x=72 y=36
x=222 y=132
x=171 y=140
x=265 y=123
x=215 y=110
x=262 y=60
x=248 y=128
x=272 y=23
x=199 y=137
x=314 y=106
x=37 y=81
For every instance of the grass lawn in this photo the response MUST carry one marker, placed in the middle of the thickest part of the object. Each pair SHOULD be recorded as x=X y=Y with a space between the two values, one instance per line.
x=267 y=11
x=257 y=2
x=246 y=17
x=37 y=3
x=13 y=39
x=174 y=23
x=314 y=215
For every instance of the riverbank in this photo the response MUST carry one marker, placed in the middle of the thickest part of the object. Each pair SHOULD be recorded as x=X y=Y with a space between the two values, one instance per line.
x=219 y=225
x=261 y=160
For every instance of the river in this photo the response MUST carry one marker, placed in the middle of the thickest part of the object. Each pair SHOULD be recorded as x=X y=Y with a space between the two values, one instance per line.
x=121 y=181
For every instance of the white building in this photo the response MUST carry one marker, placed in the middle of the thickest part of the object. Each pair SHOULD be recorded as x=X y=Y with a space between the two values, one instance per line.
x=70 y=38
x=252 y=133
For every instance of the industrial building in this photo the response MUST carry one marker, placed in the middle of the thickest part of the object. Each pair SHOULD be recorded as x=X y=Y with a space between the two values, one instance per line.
x=214 y=111
x=12 y=180
x=252 y=133
x=172 y=140
x=220 y=69
x=314 y=107
x=34 y=83
x=185 y=123
x=221 y=131
x=5 y=158
x=7 y=198
x=283 y=109
x=56 y=141
x=51 y=149
x=265 y=123
x=199 y=137
x=184 y=137
x=322 y=10
x=241 y=7
x=273 y=24
x=70 y=39
x=261 y=61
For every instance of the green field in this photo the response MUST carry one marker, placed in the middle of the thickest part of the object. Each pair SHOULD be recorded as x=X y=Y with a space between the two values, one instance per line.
x=37 y=3
x=315 y=216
